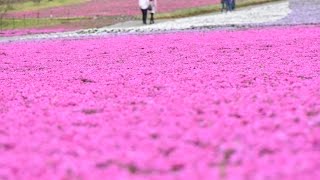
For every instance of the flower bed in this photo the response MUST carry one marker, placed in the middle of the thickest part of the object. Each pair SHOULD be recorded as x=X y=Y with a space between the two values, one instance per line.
x=10 y=33
x=197 y=105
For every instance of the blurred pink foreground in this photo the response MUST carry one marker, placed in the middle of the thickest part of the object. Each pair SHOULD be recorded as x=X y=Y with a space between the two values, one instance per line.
x=194 y=105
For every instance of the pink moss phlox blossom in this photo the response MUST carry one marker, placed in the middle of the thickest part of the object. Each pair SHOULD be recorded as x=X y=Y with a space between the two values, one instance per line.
x=191 y=105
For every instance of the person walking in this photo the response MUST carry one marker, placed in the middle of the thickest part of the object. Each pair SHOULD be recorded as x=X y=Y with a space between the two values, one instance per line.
x=144 y=4
x=152 y=8
x=228 y=5
x=233 y=4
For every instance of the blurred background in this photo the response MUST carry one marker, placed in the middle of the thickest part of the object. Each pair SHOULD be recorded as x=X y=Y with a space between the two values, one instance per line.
x=65 y=15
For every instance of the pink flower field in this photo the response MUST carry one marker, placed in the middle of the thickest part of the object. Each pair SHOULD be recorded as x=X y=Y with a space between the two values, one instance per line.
x=239 y=104
x=21 y=32
x=113 y=8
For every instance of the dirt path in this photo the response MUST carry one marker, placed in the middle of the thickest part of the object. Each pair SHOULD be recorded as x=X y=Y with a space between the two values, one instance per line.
x=252 y=15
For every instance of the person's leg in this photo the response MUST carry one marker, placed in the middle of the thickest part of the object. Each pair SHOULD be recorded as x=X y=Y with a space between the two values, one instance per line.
x=144 y=15
x=228 y=4
x=142 y=11
x=233 y=4
x=152 y=18
x=222 y=5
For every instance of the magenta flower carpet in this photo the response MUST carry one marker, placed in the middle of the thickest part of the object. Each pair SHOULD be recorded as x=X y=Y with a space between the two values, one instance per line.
x=239 y=104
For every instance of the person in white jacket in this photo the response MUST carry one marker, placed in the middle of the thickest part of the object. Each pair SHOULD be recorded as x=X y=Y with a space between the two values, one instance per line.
x=144 y=4
x=153 y=9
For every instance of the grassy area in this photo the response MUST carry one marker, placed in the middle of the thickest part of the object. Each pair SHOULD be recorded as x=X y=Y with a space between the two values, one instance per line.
x=43 y=4
x=7 y=24
x=208 y=9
